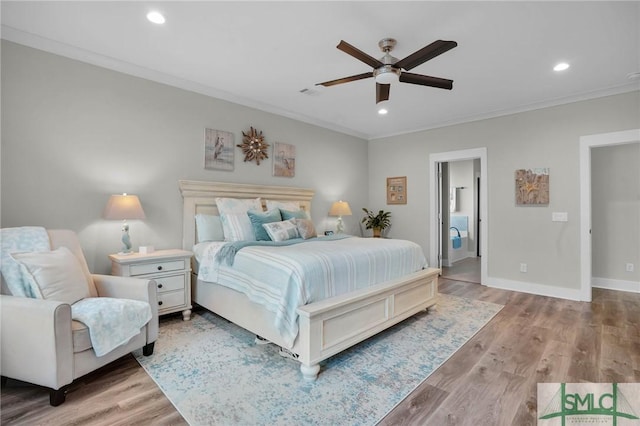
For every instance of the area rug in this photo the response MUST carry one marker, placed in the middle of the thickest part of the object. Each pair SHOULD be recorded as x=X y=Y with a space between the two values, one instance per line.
x=215 y=374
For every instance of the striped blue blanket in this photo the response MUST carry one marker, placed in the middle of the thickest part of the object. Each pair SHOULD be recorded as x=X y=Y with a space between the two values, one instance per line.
x=285 y=277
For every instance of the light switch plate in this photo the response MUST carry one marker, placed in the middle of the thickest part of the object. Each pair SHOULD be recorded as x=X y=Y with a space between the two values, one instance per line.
x=560 y=217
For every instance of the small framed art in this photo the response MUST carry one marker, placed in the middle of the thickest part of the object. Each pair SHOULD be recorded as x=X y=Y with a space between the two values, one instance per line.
x=218 y=150
x=397 y=190
x=284 y=159
x=532 y=186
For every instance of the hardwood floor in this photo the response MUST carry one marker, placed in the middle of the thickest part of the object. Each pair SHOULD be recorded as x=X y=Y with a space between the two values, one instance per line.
x=490 y=381
x=467 y=270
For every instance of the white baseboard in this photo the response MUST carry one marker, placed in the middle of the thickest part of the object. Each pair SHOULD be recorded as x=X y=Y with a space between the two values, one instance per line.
x=619 y=285
x=533 y=288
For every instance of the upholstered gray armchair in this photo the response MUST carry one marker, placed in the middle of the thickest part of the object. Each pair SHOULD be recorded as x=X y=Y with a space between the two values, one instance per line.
x=42 y=344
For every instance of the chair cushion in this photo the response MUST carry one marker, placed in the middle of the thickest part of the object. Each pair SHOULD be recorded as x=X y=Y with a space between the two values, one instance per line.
x=81 y=337
x=54 y=275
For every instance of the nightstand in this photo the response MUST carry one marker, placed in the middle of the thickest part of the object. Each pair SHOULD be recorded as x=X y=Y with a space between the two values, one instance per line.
x=171 y=269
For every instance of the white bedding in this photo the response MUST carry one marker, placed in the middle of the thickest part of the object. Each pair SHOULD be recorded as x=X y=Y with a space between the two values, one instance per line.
x=285 y=278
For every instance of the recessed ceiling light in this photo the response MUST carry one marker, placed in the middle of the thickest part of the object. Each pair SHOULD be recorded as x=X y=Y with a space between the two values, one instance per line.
x=561 y=66
x=155 y=17
x=382 y=111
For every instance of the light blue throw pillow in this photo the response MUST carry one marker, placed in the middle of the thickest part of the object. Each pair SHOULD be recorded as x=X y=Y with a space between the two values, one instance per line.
x=288 y=214
x=258 y=219
x=209 y=228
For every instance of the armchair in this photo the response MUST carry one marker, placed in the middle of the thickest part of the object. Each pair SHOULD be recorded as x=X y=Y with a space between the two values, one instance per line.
x=43 y=345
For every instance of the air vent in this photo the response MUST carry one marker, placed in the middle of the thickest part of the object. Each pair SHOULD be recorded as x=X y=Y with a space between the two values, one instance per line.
x=309 y=92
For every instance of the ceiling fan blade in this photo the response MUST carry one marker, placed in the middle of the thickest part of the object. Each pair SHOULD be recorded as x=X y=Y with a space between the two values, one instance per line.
x=426 y=80
x=436 y=48
x=359 y=54
x=382 y=92
x=346 y=79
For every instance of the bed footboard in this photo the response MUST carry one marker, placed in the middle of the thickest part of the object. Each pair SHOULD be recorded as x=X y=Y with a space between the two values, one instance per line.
x=333 y=325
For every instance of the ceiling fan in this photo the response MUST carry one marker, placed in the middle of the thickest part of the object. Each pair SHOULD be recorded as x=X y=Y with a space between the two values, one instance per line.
x=388 y=69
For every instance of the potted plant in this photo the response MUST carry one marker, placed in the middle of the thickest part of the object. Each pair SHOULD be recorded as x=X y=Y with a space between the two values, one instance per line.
x=378 y=222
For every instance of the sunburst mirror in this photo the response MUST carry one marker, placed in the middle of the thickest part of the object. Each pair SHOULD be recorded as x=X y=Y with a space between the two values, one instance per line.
x=253 y=146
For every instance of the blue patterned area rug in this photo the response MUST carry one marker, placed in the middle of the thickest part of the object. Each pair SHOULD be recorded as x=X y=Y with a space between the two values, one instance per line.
x=214 y=373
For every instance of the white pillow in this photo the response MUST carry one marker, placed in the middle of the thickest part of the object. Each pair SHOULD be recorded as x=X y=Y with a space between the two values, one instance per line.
x=237 y=227
x=292 y=206
x=235 y=221
x=209 y=228
x=238 y=205
x=282 y=231
x=54 y=275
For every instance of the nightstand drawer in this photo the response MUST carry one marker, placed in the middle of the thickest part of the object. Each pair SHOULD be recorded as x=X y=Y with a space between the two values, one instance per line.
x=170 y=283
x=170 y=300
x=155 y=267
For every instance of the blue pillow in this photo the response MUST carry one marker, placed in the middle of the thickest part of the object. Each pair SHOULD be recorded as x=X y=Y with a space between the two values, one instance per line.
x=287 y=214
x=258 y=219
x=209 y=228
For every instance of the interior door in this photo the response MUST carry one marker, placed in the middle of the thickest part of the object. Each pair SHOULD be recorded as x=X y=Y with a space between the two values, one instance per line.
x=440 y=215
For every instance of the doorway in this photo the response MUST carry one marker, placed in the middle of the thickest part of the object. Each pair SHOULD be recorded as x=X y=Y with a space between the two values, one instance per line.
x=439 y=220
x=586 y=145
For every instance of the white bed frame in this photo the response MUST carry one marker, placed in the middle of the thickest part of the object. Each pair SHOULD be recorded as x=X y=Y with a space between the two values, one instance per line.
x=326 y=327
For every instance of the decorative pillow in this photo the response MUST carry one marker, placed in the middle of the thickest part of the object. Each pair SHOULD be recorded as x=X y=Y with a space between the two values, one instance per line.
x=297 y=214
x=282 y=231
x=306 y=229
x=258 y=219
x=237 y=227
x=238 y=205
x=54 y=275
x=235 y=221
x=209 y=228
x=286 y=205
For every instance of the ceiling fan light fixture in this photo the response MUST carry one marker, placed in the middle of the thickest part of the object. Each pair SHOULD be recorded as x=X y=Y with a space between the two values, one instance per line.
x=386 y=74
x=383 y=111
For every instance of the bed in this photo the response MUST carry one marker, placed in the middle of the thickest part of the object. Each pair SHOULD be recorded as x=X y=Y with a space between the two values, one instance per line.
x=324 y=328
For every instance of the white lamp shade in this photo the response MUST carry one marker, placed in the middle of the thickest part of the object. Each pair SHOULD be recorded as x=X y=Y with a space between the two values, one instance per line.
x=123 y=207
x=340 y=208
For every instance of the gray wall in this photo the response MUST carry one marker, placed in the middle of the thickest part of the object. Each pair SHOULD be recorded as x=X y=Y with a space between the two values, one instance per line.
x=615 y=200
x=73 y=133
x=546 y=137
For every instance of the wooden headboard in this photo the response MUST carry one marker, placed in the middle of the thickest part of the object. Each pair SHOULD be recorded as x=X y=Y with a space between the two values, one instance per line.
x=200 y=197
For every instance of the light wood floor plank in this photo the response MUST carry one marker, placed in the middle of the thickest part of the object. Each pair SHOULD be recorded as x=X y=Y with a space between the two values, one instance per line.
x=492 y=379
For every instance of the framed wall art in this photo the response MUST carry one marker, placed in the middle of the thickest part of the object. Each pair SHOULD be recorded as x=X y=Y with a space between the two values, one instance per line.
x=284 y=159
x=397 y=190
x=218 y=150
x=532 y=186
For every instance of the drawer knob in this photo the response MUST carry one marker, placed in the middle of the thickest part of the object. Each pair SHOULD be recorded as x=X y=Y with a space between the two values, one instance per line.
x=159 y=268
x=159 y=285
x=160 y=302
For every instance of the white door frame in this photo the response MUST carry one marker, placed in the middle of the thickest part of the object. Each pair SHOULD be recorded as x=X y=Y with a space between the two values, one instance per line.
x=586 y=143
x=442 y=157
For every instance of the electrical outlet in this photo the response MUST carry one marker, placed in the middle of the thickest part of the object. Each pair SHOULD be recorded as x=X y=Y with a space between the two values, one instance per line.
x=630 y=267
x=523 y=267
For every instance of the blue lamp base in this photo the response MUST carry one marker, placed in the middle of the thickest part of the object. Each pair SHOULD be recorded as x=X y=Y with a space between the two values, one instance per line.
x=126 y=240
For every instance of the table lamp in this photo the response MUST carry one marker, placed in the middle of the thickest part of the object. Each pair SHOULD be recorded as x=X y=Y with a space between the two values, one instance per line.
x=123 y=207
x=340 y=208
